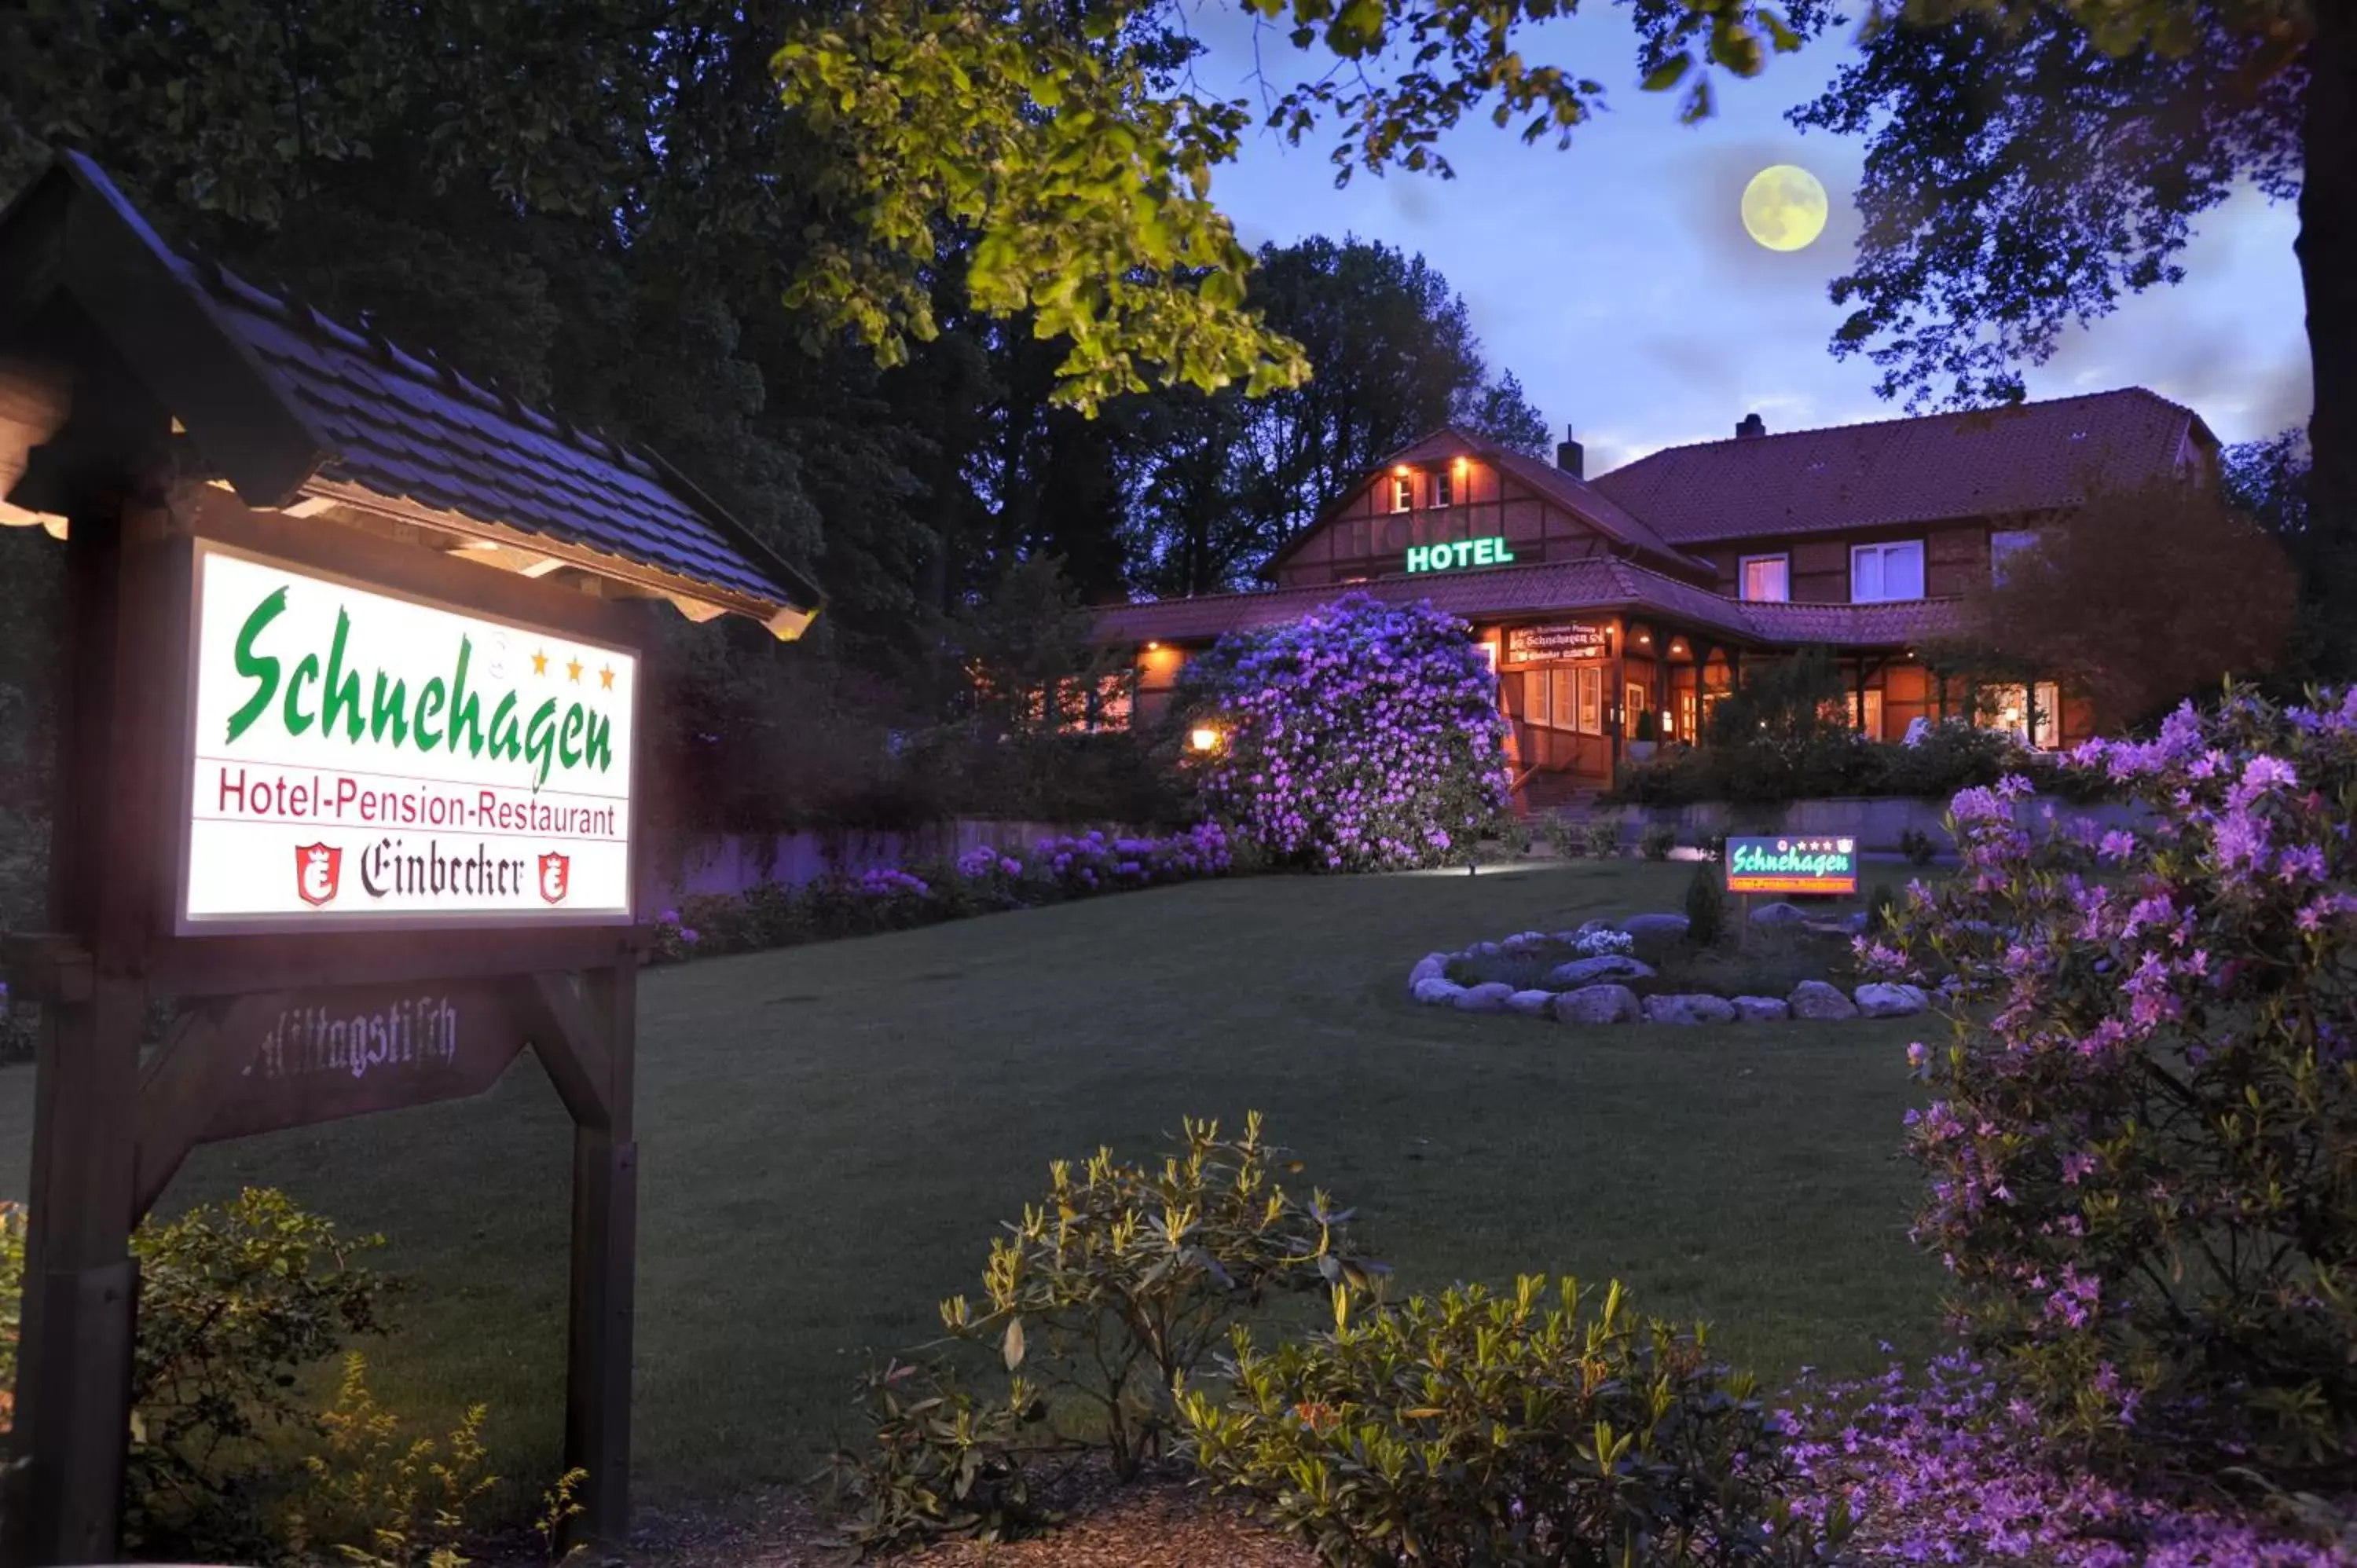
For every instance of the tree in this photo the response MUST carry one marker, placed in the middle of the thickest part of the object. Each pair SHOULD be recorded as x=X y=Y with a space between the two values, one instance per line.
x=1222 y=482
x=1997 y=220
x=2151 y=595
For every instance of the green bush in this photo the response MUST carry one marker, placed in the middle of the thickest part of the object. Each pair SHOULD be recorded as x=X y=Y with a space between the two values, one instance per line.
x=234 y=1301
x=1124 y=1280
x=1479 y=1431
x=1657 y=841
x=1706 y=906
x=1604 y=837
x=1566 y=838
x=1917 y=846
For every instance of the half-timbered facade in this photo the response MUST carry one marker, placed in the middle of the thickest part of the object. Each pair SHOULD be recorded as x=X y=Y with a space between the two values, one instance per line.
x=1618 y=608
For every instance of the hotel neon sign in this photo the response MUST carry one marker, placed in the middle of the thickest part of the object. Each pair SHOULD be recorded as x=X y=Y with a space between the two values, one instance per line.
x=1450 y=555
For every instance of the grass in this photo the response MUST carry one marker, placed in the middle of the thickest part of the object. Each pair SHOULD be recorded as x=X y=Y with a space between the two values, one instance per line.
x=829 y=1133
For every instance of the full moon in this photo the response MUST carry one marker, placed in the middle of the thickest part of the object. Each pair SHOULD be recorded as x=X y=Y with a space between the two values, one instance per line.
x=1784 y=207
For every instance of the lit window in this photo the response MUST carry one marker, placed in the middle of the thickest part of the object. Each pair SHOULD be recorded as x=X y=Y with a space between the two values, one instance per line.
x=2004 y=542
x=1768 y=578
x=2033 y=713
x=1403 y=492
x=1592 y=699
x=1444 y=487
x=1879 y=572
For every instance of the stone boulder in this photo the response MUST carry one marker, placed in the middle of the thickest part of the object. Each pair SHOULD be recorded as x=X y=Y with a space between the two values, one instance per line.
x=1880 y=1000
x=1604 y=966
x=1531 y=1003
x=1820 y=1000
x=1655 y=925
x=1435 y=991
x=1597 y=1004
x=1780 y=914
x=1848 y=925
x=1762 y=1009
x=1431 y=966
x=1489 y=996
x=1689 y=1009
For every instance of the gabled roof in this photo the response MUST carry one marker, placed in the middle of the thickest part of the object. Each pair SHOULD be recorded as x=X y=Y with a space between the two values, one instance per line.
x=1562 y=587
x=285 y=404
x=2031 y=458
x=1575 y=495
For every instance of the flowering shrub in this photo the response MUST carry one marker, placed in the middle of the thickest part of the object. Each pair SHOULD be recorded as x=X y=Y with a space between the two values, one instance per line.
x=1948 y=1469
x=1532 y=1426
x=1364 y=736
x=984 y=878
x=2146 y=1124
x=1603 y=941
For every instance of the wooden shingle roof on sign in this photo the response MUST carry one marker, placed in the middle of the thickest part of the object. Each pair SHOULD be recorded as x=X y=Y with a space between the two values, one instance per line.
x=293 y=411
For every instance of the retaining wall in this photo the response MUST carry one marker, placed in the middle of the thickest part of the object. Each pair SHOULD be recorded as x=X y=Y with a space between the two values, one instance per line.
x=1876 y=822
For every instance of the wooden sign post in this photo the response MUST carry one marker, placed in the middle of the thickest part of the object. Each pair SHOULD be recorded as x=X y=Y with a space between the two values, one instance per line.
x=351 y=772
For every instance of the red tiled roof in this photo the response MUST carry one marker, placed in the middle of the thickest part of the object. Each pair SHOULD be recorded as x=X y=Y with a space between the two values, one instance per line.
x=1575 y=495
x=2031 y=458
x=1553 y=589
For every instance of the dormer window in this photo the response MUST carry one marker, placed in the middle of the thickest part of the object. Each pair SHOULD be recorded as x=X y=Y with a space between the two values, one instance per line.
x=1403 y=492
x=1444 y=487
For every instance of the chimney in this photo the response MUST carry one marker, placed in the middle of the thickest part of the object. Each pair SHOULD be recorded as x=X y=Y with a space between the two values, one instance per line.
x=1752 y=425
x=1570 y=457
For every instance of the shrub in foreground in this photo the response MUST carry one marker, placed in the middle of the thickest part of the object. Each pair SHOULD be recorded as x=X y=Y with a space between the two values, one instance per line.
x=1539 y=1426
x=2146 y=1109
x=1364 y=736
x=1124 y=1280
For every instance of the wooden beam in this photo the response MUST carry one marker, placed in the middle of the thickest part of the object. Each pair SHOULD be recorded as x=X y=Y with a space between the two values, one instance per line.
x=598 y=1339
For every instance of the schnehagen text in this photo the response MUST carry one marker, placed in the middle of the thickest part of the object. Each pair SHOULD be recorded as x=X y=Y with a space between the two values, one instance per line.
x=445 y=716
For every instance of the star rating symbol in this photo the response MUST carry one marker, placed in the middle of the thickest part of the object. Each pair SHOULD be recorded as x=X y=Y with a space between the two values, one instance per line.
x=573 y=671
x=606 y=678
x=540 y=664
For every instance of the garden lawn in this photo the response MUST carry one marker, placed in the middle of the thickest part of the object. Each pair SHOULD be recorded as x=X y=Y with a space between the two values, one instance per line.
x=829 y=1133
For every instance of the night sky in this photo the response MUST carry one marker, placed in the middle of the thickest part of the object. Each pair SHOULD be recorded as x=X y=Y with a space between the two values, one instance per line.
x=1615 y=278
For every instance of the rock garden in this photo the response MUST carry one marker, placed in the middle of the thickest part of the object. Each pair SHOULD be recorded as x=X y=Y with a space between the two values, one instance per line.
x=1788 y=963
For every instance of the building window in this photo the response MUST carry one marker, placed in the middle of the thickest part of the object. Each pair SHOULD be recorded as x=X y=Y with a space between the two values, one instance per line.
x=1403 y=492
x=2008 y=708
x=1866 y=712
x=1768 y=578
x=2004 y=542
x=1878 y=573
x=1444 y=487
x=1564 y=697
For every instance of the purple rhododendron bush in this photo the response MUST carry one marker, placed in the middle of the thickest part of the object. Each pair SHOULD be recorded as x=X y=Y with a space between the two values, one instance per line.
x=983 y=880
x=1364 y=736
x=2142 y=1148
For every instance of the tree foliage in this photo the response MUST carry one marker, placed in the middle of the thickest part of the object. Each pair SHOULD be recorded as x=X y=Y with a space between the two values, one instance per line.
x=1224 y=482
x=2149 y=596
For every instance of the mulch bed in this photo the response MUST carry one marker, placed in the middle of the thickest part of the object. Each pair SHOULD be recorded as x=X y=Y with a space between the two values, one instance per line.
x=1153 y=1524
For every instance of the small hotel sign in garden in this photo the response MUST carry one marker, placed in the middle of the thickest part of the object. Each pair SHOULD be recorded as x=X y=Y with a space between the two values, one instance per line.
x=363 y=758
x=1449 y=555
x=1791 y=865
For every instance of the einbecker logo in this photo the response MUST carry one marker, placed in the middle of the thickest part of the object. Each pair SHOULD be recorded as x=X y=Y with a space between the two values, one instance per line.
x=555 y=877
x=318 y=868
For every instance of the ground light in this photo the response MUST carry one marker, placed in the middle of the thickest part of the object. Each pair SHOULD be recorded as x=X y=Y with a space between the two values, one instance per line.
x=1203 y=737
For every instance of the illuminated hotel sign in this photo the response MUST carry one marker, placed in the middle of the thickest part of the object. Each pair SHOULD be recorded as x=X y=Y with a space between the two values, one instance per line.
x=1557 y=642
x=1449 y=555
x=361 y=758
x=1791 y=865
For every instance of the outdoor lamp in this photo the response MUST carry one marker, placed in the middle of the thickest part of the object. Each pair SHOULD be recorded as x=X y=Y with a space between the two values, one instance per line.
x=1203 y=737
